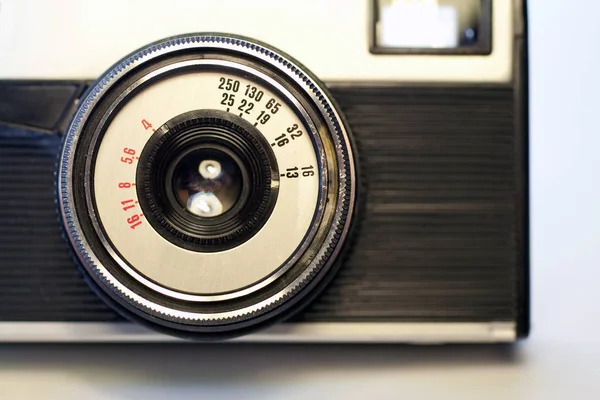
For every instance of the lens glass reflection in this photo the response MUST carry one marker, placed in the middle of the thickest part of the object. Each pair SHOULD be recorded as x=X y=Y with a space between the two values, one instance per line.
x=207 y=182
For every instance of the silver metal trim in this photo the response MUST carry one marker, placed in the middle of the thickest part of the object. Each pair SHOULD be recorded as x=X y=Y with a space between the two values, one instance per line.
x=332 y=244
x=327 y=332
x=187 y=67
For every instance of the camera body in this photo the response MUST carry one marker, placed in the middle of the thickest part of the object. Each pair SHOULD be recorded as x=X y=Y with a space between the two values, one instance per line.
x=438 y=250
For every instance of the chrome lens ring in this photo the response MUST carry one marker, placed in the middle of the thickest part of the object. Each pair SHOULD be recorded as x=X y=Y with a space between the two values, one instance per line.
x=335 y=205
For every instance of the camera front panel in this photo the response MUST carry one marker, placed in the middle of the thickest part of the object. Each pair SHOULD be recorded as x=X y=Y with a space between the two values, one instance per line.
x=441 y=236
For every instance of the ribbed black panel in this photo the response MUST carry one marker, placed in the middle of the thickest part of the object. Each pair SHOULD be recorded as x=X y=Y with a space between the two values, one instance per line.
x=38 y=279
x=438 y=239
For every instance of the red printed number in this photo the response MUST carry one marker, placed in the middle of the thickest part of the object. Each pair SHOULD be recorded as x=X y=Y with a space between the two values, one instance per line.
x=147 y=125
x=130 y=152
x=134 y=221
x=128 y=204
x=125 y=185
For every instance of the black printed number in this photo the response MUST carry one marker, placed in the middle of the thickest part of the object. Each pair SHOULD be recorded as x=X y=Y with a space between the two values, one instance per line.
x=295 y=132
x=273 y=106
x=294 y=172
x=308 y=171
x=253 y=93
x=281 y=140
x=284 y=139
x=228 y=99
x=246 y=106
x=263 y=117
x=229 y=84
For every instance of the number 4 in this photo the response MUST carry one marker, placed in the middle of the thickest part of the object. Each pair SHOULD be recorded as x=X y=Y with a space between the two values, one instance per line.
x=147 y=125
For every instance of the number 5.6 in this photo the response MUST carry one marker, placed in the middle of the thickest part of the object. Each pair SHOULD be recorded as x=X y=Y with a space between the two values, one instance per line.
x=130 y=152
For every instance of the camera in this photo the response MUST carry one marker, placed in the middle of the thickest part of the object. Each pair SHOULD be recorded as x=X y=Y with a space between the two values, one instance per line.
x=209 y=186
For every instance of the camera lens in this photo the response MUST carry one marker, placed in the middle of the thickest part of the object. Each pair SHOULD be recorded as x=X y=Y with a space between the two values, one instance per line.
x=208 y=186
x=207 y=182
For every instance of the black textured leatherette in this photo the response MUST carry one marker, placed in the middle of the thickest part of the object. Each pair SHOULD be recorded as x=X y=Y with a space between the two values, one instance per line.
x=439 y=234
x=38 y=278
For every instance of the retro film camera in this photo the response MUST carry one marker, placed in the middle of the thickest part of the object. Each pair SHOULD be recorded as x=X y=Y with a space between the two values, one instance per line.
x=209 y=186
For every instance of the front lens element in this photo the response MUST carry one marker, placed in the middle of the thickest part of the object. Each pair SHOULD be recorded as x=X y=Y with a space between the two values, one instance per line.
x=207 y=182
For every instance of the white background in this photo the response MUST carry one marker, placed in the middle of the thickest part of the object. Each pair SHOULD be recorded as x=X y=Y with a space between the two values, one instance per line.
x=560 y=360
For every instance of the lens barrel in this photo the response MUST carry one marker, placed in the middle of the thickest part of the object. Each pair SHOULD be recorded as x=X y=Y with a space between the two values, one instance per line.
x=217 y=135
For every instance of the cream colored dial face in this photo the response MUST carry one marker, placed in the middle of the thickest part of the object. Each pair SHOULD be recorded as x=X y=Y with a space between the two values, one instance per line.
x=157 y=262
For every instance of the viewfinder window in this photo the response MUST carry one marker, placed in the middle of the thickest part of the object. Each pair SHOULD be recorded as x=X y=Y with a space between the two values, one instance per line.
x=432 y=26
